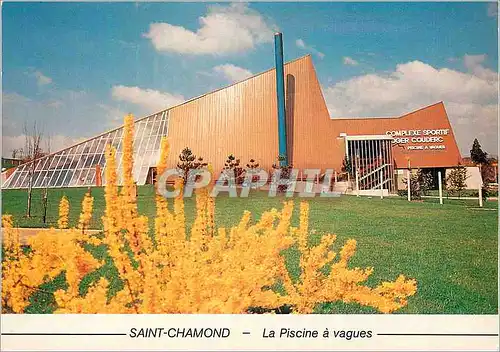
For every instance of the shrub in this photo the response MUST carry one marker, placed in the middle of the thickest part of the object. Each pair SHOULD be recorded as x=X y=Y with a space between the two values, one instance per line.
x=489 y=172
x=402 y=192
x=346 y=165
x=189 y=161
x=63 y=213
x=86 y=214
x=252 y=164
x=233 y=165
x=420 y=183
x=252 y=167
x=208 y=270
x=285 y=172
x=455 y=181
x=486 y=192
x=424 y=180
x=491 y=192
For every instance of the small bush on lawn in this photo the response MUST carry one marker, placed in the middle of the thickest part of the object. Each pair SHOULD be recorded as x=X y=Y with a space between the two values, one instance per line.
x=420 y=183
x=235 y=170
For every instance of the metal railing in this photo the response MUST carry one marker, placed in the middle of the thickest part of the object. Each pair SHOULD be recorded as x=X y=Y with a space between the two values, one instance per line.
x=376 y=178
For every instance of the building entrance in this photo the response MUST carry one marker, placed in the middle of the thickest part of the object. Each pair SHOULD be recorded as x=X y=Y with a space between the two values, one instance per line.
x=371 y=158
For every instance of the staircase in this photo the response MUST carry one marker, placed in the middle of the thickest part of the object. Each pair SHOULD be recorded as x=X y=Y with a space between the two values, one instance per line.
x=342 y=187
x=375 y=176
x=372 y=178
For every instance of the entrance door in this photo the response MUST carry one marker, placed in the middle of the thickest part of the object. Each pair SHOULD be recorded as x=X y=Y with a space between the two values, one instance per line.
x=371 y=158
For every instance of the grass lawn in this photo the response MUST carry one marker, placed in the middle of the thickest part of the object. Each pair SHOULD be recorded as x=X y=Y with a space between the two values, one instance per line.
x=451 y=249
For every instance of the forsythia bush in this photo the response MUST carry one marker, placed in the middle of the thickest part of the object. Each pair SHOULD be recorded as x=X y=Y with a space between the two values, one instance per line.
x=51 y=252
x=205 y=270
x=86 y=214
x=63 y=213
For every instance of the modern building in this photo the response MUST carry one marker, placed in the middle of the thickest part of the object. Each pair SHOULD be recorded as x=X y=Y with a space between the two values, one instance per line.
x=242 y=119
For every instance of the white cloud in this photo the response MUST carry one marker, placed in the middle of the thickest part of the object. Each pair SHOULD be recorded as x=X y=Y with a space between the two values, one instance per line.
x=223 y=30
x=349 y=61
x=41 y=79
x=302 y=45
x=68 y=115
x=473 y=63
x=56 y=104
x=11 y=143
x=14 y=98
x=57 y=142
x=113 y=114
x=232 y=73
x=150 y=99
x=492 y=10
x=471 y=99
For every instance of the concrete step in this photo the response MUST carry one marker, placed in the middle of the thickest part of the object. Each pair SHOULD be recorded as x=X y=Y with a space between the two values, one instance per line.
x=341 y=187
x=370 y=192
x=300 y=186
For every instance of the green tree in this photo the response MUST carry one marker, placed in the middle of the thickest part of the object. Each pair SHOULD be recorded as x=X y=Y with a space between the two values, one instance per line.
x=286 y=171
x=420 y=183
x=233 y=164
x=252 y=164
x=252 y=167
x=188 y=161
x=489 y=171
x=477 y=155
x=455 y=182
x=346 y=165
x=424 y=180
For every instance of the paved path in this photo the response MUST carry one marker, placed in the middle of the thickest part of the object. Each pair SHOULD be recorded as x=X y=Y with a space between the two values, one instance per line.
x=25 y=233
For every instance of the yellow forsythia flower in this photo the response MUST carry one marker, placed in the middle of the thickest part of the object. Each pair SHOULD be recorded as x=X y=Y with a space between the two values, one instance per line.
x=63 y=213
x=213 y=270
x=86 y=214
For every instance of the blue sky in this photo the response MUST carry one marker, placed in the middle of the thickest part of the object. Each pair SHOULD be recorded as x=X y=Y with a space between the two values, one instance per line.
x=77 y=68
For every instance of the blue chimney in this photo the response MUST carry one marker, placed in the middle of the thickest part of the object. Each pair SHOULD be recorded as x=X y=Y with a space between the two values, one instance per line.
x=280 y=90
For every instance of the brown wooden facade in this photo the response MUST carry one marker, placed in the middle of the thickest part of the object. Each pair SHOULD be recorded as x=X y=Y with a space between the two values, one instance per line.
x=242 y=120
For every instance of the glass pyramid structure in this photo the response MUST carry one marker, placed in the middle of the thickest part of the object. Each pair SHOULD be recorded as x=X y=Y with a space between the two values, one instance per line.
x=83 y=164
